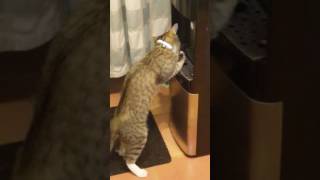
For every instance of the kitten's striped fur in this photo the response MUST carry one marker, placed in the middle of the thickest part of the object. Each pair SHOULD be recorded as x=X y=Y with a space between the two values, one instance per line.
x=129 y=127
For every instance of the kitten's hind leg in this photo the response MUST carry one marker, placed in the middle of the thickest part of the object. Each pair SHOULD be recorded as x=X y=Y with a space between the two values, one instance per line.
x=135 y=169
x=113 y=140
x=133 y=149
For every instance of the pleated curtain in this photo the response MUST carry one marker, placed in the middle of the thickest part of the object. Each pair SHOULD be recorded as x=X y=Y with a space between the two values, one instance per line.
x=133 y=23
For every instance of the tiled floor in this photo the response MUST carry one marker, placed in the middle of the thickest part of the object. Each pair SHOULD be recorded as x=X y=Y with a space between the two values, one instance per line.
x=181 y=166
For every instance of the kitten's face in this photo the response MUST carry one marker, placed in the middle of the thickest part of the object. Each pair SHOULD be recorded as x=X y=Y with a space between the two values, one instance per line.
x=172 y=38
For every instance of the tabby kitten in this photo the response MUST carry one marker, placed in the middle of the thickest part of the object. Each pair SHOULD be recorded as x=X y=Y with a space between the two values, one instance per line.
x=129 y=125
x=68 y=137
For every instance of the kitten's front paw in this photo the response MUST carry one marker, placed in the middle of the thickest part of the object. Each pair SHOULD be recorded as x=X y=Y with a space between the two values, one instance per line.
x=182 y=56
x=181 y=61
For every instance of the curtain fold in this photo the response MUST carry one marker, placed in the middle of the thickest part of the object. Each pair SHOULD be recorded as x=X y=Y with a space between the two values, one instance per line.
x=133 y=23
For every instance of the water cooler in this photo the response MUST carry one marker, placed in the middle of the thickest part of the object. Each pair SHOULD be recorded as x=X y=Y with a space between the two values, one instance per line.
x=266 y=92
x=190 y=90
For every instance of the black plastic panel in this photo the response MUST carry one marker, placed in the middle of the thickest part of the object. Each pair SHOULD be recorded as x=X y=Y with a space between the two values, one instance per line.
x=247 y=30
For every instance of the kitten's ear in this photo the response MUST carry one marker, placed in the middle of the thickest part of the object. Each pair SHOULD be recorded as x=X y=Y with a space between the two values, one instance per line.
x=174 y=28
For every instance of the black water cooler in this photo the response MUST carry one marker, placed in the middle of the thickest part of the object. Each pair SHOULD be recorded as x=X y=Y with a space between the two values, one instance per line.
x=247 y=118
x=266 y=92
x=190 y=90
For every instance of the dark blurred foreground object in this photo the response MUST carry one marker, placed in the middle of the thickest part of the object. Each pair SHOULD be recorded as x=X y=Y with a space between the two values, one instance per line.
x=68 y=138
x=20 y=71
x=26 y=25
x=7 y=159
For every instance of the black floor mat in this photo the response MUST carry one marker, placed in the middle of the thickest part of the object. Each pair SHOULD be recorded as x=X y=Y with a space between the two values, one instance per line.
x=154 y=153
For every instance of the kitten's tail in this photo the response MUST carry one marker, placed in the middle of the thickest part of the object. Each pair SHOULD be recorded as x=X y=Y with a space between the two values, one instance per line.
x=114 y=135
x=112 y=140
x=115 y=125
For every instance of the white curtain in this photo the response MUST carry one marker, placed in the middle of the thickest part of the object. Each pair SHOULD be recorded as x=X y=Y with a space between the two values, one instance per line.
x=133 y=23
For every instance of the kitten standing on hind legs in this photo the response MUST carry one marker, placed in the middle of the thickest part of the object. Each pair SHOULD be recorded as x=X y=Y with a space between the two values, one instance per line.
x=129 y=129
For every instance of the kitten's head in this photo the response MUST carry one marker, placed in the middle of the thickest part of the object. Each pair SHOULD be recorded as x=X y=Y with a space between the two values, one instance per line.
x=169 y=66
x=170 y=37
